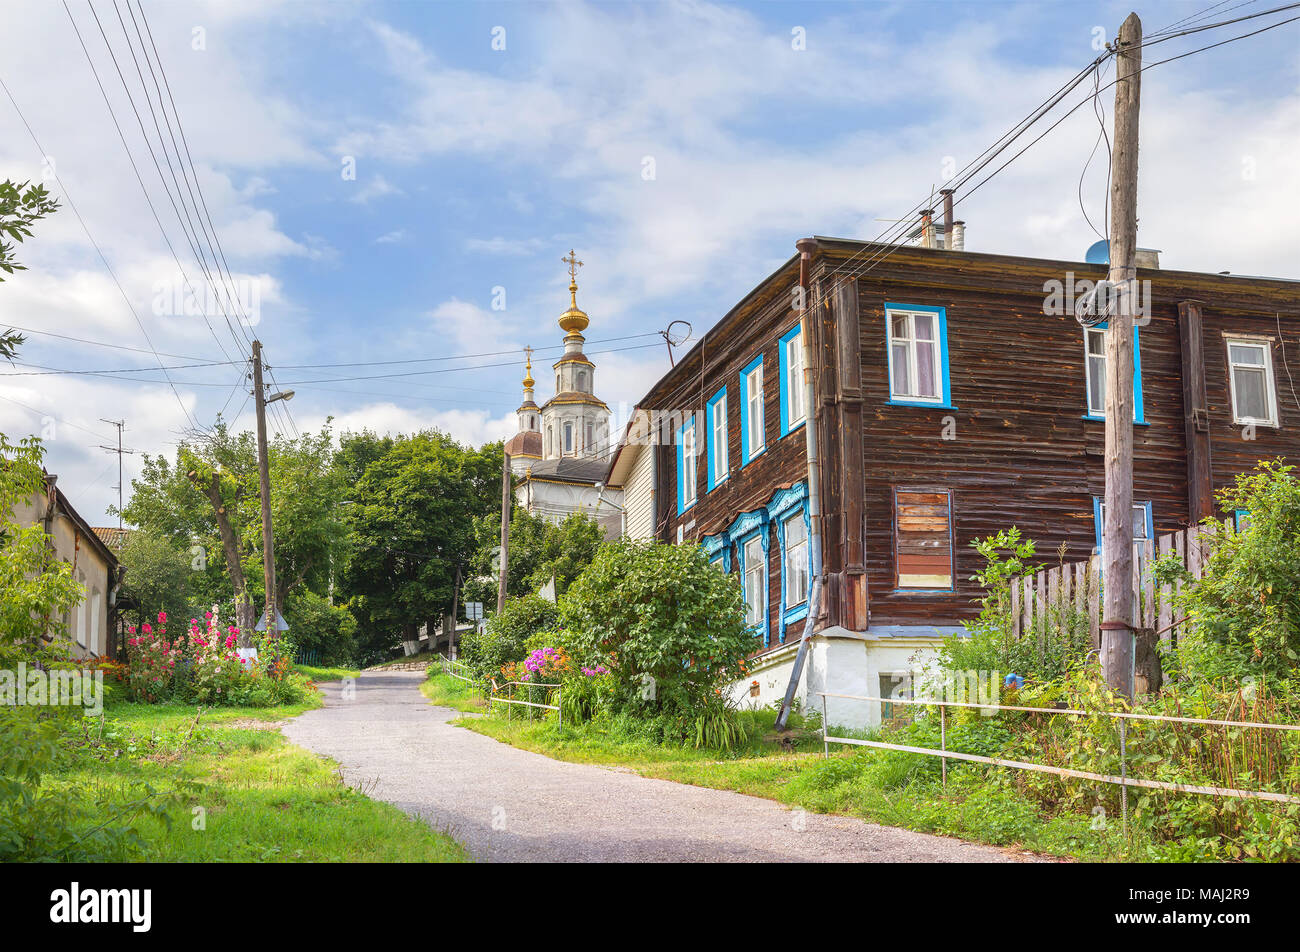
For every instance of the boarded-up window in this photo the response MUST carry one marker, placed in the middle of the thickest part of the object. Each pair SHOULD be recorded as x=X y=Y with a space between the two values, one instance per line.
x=923 y=538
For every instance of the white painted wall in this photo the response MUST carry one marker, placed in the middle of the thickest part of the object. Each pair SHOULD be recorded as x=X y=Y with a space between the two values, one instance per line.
x=638 y=494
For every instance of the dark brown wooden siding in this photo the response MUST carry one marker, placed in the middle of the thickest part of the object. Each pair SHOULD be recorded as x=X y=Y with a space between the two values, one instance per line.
x=1021 y=451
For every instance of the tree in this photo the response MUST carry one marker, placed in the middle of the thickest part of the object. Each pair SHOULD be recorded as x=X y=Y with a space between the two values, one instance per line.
x=20 y=207
x=539 y=551
x=157 y=576
x=412 y=526
x=35 y=588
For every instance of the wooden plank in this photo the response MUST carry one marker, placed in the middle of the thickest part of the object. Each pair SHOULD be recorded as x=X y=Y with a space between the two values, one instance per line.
x=1194 y=551
x=1081 y=587
x=1040 y=628
x=1148 y=584
x=1026 y=605
x=1165 y=596
x=1015 y=608
x=1052 y=610
x=1094 y=601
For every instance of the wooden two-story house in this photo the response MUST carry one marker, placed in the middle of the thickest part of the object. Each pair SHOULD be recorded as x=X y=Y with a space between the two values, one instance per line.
x=957 y=395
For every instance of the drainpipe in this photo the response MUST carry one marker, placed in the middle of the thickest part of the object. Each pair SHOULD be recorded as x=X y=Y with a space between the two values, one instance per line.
x=806 y=246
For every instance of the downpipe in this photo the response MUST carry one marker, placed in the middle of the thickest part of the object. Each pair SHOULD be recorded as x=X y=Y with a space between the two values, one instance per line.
x=805 y=246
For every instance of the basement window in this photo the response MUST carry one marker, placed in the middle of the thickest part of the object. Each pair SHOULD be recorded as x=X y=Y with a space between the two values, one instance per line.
x=1250 y=378
x=923 y=539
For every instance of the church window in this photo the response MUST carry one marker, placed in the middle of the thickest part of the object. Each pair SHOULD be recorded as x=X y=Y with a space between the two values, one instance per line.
x=568 y=437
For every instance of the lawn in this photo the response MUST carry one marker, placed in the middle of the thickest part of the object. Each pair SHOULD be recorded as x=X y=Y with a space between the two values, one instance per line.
x=446 y=691
x=243 y=793
x=327 y=674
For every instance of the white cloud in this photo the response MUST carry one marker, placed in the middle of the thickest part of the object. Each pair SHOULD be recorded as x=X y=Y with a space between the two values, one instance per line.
x=504 y=246
x=392 y=238
x=373 y=187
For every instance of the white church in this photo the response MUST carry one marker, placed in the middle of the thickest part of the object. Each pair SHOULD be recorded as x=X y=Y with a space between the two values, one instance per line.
x=561 y=452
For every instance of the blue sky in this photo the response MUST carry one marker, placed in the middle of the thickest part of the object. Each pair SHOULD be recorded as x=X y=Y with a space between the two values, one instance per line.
x=478 y=168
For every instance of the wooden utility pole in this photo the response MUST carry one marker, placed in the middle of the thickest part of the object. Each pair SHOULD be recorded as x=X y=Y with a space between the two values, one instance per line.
x=264 y=479
x=505 y=529
x=1117 y=640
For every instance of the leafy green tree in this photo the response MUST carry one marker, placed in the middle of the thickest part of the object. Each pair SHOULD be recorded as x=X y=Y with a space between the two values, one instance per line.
x=318 y=626
x=539 y=551
x=157 y=577
x=20 y=207
x=1245 y=610
x=35 y=588
x=412 y=530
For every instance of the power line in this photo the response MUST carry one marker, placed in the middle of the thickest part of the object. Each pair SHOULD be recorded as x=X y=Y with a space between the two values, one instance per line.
x=100 y=343
x=98 y=250
x=43 y=371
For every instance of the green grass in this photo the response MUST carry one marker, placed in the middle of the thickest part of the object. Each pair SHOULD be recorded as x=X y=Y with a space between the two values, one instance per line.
x=327 y=674
x=979 y=804
x=256 y=797
x=446 y=691
x=406 y=659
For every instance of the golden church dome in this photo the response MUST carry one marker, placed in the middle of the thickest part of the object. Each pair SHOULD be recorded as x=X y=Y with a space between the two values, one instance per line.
x=574 y=320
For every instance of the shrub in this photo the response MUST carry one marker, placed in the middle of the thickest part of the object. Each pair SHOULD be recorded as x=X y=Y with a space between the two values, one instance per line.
x=1245 y=611
x=152 y=662
x=316 y=625
x=504 y=637
x=669 y=629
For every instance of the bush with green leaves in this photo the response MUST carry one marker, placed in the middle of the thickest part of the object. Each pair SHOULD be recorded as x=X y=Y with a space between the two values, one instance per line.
x=669 y=627
x=1244 y=613
x=990 y=645
x=330 y=631
x=505 y=636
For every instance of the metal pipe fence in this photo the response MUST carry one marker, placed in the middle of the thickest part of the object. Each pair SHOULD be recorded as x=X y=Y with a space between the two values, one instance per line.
x=530 y=703
x=1124 y=781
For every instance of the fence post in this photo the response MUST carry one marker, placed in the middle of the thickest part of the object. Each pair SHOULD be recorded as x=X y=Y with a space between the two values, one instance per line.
x=943 y=745
x=826 y=748
x=1123 y=774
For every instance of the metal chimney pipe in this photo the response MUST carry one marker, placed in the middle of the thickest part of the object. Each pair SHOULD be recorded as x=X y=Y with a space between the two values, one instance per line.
x=947 y=217
x=958 y=236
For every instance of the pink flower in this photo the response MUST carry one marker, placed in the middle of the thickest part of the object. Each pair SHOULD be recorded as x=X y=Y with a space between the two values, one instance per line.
x=147 y=629
x=162 y=618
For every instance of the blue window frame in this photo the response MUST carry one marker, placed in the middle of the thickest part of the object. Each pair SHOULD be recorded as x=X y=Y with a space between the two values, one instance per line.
x=916 y=351
x=751 y=531
x=1094 y=373
x=790 y=357
x=787 y=505
x=1148 y=523
x=687 y=465
x=1240 y=519
x=715 y=416
x=753 y=415
x=717 y=548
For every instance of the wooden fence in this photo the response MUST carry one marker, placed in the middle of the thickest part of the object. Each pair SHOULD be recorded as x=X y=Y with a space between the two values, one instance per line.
x=1045 y=600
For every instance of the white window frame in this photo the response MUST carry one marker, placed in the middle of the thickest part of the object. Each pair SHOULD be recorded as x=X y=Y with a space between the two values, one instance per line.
x=756 y=568
x=1088 y=358
x=794 y=382
x=912 y=375
x=793 y=568
x=1270 y=387
x=757 y=434
x=718 y=434
x=690 y=466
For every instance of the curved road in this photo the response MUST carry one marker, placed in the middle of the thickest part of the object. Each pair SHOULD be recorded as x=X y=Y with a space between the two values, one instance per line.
x=509 y=805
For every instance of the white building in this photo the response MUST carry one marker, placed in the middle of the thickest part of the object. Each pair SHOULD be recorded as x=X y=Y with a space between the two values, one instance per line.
x=561 y=451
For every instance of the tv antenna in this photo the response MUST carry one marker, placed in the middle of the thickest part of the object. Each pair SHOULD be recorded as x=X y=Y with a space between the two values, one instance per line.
x=675 y=338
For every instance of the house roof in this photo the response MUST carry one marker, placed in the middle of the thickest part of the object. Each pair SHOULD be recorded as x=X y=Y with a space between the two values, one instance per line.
x=112 y=536
x=571 y=469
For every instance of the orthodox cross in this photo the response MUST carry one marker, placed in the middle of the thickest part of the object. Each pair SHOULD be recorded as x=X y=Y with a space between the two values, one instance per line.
x=573 y=263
